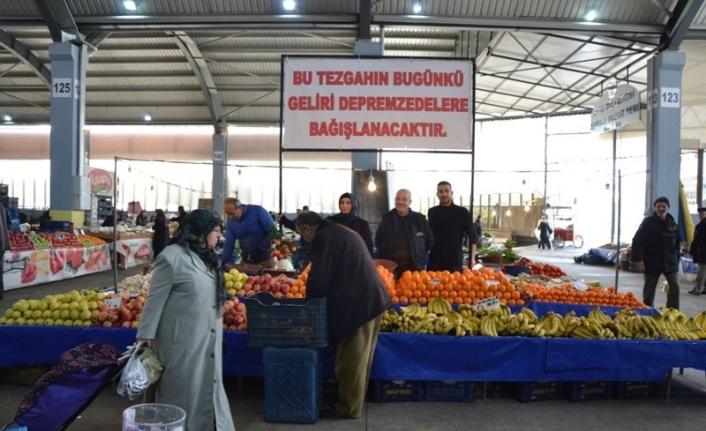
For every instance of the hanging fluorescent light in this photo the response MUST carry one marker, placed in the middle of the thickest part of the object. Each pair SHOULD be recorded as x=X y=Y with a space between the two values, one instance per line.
x=371 y=182
x=289 y=4
x=417 y=8
x=148 y=117
x=527 y=208
x=508 y=213
x=493 y=213
x=7 y=118
x=591 y=15
x=129 y=5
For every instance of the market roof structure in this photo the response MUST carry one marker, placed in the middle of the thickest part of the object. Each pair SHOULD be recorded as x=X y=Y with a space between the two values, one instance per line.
x=218 y=61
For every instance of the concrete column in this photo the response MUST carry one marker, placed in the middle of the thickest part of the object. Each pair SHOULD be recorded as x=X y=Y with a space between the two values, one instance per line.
x=220 y=170
x=69 y=63
x=664 y=75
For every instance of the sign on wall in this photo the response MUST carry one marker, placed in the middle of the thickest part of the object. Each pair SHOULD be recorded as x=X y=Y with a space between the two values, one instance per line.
x=370 y=103
x=101 y=181
x=614 y=112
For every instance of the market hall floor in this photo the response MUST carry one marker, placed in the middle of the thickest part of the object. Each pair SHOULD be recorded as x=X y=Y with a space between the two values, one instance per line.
x=685 y=410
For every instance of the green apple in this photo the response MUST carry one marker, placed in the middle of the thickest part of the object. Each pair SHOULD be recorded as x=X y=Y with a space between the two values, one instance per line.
x=48 y=322
x=36 y=314
x=85 y=315
x=238 y=285
x=65 y=314
x=229 y=285
x=27 y=314
x=3 y=320
x=75 y=314
x=56 y=314
x=47 y=314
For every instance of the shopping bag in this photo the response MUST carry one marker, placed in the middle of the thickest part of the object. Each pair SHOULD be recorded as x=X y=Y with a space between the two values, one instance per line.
x=134 y=379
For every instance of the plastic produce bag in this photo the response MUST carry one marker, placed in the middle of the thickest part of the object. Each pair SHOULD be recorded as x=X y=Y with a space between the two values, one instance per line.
x=134 y=379
x=153 y=367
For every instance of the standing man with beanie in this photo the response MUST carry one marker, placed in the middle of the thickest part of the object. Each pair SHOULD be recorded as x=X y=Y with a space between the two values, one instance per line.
x=343 y=273
x=655 y=251
x=697 y=250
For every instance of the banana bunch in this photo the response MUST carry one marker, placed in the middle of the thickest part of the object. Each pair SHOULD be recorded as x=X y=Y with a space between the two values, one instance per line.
x=489 y=325
x=439 y=306
x=582 y=327
x=599 y=316
x=389 y=320
x=552 y=324
x=675 y=325
x=700 y=320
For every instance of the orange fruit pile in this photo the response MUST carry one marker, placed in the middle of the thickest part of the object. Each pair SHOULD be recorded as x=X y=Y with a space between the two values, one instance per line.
x=464 y=287
x=592 y=296
x=299 y=287
x=388 y=279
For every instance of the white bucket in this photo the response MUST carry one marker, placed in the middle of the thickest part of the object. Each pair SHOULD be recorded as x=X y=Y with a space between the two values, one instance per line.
x=154 y=417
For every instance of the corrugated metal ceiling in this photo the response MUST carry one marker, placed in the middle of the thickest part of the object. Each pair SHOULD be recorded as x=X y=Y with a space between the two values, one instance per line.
x=546 y=61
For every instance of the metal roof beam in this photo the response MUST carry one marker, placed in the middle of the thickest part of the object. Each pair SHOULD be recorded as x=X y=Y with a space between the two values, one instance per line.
x=514 y=24
x=683 y=15
x=364 y=13
x=58 y=18
x=22 y=53
x=96 y=39
x=208 y=85
x=552 y=87
x=590 y=41
x=535 y=99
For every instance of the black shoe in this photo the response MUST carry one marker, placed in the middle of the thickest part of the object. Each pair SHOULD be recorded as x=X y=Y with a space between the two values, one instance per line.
x=694 y=292
x=332 y=414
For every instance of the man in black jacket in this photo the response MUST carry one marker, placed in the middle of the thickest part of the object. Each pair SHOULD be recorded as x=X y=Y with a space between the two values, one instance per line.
x=4 y=245
x=451 y=224
x=404 y=236
x=343 y=272
x=655 y=251
x=697 y=250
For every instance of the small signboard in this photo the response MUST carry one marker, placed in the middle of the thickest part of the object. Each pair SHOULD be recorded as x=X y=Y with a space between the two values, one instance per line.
x=612 y=113
x=488 y=303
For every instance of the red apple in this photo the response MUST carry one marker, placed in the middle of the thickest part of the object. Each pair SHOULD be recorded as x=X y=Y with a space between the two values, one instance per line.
x=250 y=293
x=107 y=324
x=228 y=319
x=267 y=276
x=278 y=294
x=256 y=288
x=285 y=288
x=103 y=316
x=233 y=327
x=235 y=300
x=127 y=324
x=240 y=307
x=277 y=288
x=239 y=319
x=113 y=316
x=266 y=287
x=248 y=287
x=243 y=327
x=241 y=292
x=251 y=280
x=228 y=304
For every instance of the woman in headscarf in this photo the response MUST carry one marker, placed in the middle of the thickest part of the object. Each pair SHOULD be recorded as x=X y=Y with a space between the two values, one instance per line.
x=348 y=205
x=183 y=322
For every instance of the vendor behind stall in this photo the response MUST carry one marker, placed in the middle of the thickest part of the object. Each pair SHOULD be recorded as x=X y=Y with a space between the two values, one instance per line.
x=250 y=225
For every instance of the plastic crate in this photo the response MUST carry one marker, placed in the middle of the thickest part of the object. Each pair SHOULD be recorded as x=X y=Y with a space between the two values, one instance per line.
x=588 y=391
x=636 y=389
x=292 y=385
x=540 y=391
x=283 y=322
x=448 y=391
x=396 y=390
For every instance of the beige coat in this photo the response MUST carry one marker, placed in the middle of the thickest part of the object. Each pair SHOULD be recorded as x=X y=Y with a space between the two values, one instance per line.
x=180 y=316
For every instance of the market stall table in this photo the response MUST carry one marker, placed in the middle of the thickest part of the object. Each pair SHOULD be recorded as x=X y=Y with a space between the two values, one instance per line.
x=413 y=356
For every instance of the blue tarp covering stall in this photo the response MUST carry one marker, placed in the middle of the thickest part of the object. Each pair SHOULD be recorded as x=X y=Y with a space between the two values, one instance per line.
x=413 y=356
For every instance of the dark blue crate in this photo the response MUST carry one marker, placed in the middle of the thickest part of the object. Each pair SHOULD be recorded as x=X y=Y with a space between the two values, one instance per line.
x=292 y=385
x=540 y=391
x=636 y=389
x=285 y=322
x=448 y=391
x=396 y=390
x=588 y=391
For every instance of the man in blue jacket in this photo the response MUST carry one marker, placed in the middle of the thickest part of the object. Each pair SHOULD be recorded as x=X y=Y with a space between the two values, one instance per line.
x=250 y=225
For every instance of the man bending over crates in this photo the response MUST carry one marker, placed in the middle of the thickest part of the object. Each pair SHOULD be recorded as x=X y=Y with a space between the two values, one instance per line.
x=343 y=272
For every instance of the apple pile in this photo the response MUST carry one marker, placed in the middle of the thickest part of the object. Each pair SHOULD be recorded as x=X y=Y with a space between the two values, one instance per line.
x=62 y=240
x=20 y=241
x=39 y=242
x=235 y=318
x=235 y=281
x=279 y=286
x=127 y=315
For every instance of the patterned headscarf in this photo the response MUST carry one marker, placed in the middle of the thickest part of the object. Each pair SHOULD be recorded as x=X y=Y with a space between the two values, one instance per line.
x=192 y=234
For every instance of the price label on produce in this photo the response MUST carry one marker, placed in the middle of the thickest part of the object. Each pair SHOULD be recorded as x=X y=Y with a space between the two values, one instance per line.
x=113 y=303
x=491 y=282
x=488 y=303
x=434 y=281
x=580 y=286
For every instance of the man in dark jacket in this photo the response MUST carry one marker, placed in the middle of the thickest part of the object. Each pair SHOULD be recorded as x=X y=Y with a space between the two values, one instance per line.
x=404 y=236
x=655 y=251
x=697 y=250
x=451 y=225
x=249 y=224
x=343 y=272
x=4 y=245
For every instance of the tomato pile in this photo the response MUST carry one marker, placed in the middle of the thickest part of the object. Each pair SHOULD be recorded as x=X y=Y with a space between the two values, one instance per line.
x=538 y=268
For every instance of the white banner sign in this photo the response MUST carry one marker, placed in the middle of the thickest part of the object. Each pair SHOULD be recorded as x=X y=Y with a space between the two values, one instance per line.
x=615 y=112
x=27 y=268
x=369 y=104
x=135 y=251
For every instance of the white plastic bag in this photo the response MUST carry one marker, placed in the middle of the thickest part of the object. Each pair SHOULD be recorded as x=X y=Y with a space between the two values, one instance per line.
x=134 y=379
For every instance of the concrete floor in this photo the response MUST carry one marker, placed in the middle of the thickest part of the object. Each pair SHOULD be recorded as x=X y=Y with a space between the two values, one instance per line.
x=684 y=410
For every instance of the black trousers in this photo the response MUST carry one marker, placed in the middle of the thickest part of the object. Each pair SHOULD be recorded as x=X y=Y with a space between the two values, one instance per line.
x=2 y=272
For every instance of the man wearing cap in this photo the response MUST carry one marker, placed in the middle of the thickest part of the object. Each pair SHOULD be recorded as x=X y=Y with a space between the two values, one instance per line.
x=655 y=251
x=697 y=250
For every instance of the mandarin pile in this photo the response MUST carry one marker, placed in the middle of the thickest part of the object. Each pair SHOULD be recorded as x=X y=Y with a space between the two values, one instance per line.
x=464 y=287
x=592 y=296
